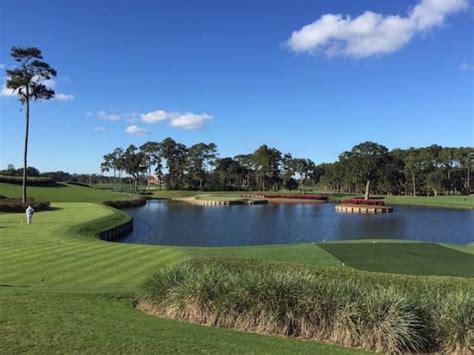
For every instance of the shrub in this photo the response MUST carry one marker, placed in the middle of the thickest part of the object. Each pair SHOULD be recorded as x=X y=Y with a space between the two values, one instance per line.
x=377 y=312
x=32 y=181
x=361 y=201
x=16 y=205
x=136 y=202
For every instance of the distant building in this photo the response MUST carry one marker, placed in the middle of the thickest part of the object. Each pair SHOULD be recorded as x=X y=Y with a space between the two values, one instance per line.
x=154 y=180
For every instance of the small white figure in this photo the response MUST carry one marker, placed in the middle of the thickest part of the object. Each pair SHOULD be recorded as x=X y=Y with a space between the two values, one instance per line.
x=29 y=214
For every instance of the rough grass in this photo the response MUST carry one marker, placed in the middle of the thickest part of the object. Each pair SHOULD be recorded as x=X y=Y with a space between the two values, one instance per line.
x=376 y=312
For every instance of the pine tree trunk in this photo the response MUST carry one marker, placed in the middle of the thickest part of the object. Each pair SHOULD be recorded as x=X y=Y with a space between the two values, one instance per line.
x=413 y=184
x=27 y=128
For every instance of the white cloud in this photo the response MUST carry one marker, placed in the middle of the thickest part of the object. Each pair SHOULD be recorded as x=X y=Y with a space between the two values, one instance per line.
x=155 y=116
x=89 y=114
x=63 y=97
x=135 y=130
x=6 y=91
x=116 y=116
x=371 y=33
x=50 y=83
x=185 y=120
x=109 y=116
x=99 y=129
x=466 y=66
x=189 y=120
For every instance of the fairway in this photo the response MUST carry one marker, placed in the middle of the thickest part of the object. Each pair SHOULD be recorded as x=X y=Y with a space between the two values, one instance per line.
x=63 y=193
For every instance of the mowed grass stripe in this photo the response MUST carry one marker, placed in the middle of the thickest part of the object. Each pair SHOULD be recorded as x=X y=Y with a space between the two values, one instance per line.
x=114 y=265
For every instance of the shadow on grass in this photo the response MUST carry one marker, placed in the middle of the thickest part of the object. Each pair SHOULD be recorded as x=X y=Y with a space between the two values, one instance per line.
x=404 y=258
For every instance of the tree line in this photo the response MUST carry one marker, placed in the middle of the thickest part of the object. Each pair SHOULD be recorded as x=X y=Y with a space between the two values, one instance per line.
x=367 y=168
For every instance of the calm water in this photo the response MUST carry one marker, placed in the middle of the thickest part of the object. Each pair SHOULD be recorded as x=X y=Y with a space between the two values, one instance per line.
x=176 y=223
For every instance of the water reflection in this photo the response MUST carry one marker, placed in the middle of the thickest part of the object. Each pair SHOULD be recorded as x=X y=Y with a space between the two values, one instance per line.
x=176 y=223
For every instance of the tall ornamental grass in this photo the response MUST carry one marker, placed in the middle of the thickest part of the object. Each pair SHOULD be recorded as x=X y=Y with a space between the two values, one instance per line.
x=372 y=311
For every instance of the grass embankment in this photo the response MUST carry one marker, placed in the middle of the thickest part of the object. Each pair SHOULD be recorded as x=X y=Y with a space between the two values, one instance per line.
x=457 y=201
x=376 y=312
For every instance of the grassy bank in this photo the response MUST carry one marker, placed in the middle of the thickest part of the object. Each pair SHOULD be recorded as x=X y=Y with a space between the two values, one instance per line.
x=372 y=311
x=464 y=202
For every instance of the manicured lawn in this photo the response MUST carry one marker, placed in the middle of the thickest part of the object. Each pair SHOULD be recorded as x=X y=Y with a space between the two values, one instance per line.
x=63 y=193
x=404 y=258
x=293 y=253
x=466 y=202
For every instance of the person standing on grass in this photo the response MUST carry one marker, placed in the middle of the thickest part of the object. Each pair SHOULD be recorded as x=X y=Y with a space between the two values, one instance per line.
x=29 y=214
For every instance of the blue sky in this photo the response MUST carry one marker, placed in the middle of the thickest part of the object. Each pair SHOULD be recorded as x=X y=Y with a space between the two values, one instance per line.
x=240 y=74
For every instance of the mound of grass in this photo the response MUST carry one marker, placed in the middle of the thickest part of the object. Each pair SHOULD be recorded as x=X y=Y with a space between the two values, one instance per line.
x=372 y=311
x=403 y=258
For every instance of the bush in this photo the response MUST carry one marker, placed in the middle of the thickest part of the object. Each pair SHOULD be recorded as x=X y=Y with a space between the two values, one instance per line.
x=126 y=203
x=16 y=205
x=361 y=201
x=32 y=181
x=376 y=312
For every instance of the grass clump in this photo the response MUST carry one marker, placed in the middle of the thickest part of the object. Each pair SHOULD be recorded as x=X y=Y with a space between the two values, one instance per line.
x=377 y=312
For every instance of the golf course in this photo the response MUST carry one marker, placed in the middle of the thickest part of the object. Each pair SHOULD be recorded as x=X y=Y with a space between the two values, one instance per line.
x=62 y=288
x=236 y=177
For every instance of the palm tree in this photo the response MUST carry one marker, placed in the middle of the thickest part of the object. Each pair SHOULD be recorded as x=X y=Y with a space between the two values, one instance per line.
x=28 y=82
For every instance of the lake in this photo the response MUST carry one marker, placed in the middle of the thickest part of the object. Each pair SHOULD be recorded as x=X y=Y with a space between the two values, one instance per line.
x=177 y=223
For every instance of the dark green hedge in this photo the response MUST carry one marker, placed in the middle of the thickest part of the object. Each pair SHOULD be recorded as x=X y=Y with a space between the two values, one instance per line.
x=32 y=181
x=15 y=205
x=126 y=203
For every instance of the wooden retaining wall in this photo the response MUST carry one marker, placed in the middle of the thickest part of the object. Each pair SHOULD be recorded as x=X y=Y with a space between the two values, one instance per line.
x=117 y=232
x=194 y=201
x=363 y=209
